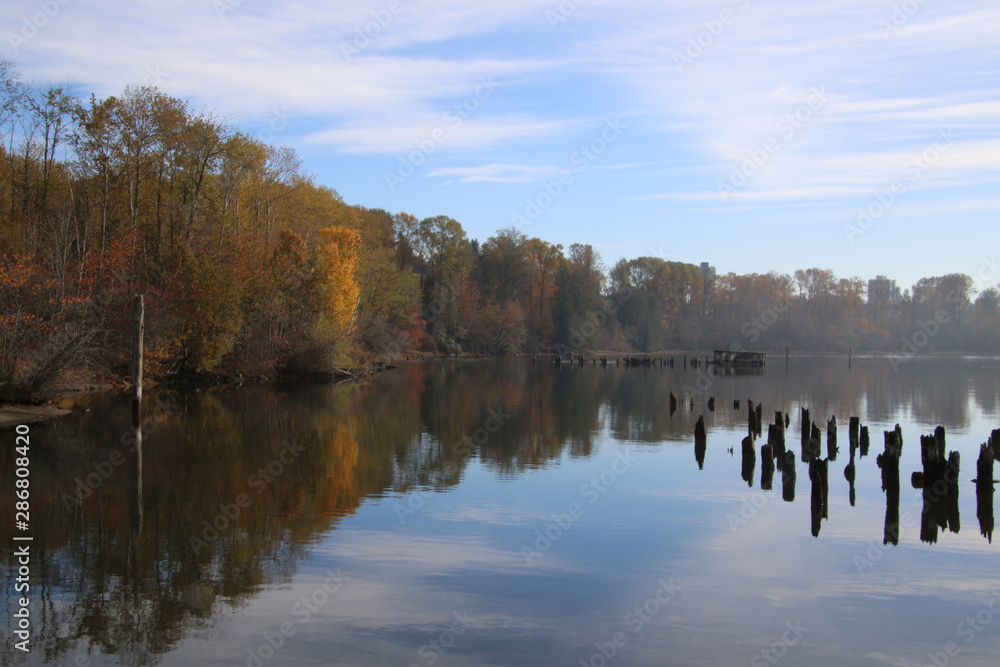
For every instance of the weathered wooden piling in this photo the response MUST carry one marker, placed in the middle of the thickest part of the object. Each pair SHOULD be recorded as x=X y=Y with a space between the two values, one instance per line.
x=711 y=404
x=788 y=477
x=813 y=447
x=806 y=425
x=994 y=443
x=888 y=460
x=736 y=404
x=138 y=333
x=776 y=439
x=751 y=417
x=934 y=464
x=853 y=433
x=934 y=484
x=766 y=467
x=818 y=475
x=749 y=460
x=673 y=403
x=985 y=490
x=951 y=477
x=849 y=475
x=700 y=442
x=831 y=438
x=758 y=419
x=865 y=441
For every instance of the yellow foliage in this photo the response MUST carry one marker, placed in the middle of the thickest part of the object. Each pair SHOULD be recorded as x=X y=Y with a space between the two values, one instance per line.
x=339 y=250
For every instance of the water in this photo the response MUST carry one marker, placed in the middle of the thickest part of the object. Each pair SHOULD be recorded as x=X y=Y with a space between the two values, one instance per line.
x=505 y=513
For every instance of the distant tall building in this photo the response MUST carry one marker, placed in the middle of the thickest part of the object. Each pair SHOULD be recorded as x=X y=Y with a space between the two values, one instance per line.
x=707 y=273
x=883 y=290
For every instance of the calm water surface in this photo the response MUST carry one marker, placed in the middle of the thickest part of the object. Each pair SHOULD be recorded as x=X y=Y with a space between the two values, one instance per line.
x=504 y=513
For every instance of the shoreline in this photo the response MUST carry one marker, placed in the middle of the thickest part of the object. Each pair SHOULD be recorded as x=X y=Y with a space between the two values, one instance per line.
x=13 y=413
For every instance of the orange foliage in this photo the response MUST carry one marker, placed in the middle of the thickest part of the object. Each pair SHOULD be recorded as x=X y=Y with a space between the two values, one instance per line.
x=339 y=251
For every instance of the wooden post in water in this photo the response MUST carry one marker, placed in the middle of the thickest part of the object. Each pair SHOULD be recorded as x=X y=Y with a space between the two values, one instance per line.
x=788 y=477
x=831 y=438
x=888 y=461
x=138 y=329
x=815 y=444
x=984 y=491
x=749 y=460
x=700 y=442
x=767 y=465
x=818 y=475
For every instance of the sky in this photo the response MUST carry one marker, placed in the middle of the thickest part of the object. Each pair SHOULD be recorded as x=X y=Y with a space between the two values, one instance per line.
x=861 y=137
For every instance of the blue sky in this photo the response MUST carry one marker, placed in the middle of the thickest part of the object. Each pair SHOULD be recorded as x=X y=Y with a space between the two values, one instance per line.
x=863 y=137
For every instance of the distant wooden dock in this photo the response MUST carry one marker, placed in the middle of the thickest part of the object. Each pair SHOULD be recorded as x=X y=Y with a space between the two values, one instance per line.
x=742 y=359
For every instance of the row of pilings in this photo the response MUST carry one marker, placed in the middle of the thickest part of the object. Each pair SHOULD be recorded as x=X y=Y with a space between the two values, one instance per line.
x=628 y=361
x=938 y=479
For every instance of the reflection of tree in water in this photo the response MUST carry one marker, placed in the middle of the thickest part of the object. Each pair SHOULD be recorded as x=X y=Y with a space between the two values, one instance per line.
x=137 y=595
x=104 y=589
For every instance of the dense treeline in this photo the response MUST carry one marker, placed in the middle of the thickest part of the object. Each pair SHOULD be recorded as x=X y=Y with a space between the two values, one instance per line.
x=251 y=267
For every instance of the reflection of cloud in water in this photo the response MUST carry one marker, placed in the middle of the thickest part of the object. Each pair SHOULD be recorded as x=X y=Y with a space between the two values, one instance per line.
x=490 y=513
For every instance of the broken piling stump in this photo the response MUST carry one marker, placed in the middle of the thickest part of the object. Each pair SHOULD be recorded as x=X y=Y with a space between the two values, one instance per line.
x=749 y=460
x=700 y=442
x=766 y=467
x=985 y=491
x=788 y=477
